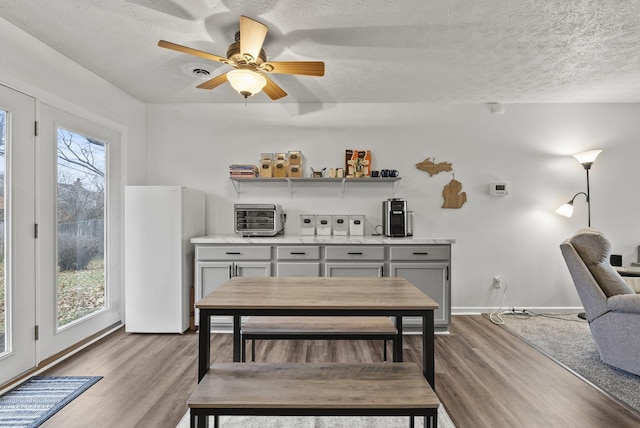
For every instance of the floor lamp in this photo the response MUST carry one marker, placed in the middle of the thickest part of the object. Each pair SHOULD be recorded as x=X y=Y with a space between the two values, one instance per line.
x=586 y=159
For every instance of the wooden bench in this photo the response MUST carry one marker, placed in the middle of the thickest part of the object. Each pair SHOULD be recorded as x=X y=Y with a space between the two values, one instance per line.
x=313 y=389
x=319 y=328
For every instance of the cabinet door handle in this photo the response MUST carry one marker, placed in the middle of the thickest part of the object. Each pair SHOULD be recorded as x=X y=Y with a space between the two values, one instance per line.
x=233 y=253
x=355 y=254
x=300 y=253
x=421 y=254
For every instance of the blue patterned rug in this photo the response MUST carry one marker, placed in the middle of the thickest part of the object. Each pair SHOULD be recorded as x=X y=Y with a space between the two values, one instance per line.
x=36 y=400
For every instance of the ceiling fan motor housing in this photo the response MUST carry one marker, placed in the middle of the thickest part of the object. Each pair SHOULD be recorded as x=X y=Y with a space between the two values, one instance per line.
x=234 y=54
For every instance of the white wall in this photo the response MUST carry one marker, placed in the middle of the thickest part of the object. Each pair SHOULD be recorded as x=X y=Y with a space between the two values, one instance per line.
x=528 y=147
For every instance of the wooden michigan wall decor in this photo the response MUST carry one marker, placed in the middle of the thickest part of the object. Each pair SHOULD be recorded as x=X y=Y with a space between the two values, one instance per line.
x=452 y=193
x=432 y=167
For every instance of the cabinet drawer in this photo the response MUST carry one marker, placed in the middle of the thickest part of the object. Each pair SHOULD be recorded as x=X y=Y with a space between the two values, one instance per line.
x=297 y=252
x=353 y=252
x=234 y=253
x=423 y=252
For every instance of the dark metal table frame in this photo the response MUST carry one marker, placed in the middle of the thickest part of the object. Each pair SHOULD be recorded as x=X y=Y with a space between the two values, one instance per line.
x=204 y=348
x=428 y=352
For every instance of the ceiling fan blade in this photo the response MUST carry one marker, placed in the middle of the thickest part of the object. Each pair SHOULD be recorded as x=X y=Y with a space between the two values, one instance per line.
x=252 y=34
x=191 y=51
x=274 y=91
x=213 y=83
x=304 y=68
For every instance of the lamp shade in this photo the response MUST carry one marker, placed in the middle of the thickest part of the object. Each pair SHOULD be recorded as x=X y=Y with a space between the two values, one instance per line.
x=587 y=157
x=566 y=209
x=246 y=82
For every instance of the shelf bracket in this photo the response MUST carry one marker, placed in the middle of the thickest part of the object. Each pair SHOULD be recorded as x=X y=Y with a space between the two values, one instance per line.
x=394 y=187
x=290 y=187
x=236 y=185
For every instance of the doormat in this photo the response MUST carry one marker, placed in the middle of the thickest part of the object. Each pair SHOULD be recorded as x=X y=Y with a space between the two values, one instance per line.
x=34 y=401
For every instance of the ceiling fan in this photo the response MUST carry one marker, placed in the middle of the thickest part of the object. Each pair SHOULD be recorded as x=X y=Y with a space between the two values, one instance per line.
x=250 y=63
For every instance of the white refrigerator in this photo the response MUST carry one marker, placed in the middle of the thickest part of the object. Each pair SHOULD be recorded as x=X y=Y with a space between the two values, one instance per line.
x=159 y=222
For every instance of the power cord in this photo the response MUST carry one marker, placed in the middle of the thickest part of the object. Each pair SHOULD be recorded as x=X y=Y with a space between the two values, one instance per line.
x=496 y=316
x=560 y=317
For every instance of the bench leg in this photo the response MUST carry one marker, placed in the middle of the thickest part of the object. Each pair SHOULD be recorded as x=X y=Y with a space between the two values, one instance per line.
x=412 y=422
x=394 y=349
x=243 y=357
x=384 y=352
x=201 y=421
x=253 y=350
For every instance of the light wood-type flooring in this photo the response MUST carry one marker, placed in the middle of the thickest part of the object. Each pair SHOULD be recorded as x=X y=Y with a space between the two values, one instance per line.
x=485 y=377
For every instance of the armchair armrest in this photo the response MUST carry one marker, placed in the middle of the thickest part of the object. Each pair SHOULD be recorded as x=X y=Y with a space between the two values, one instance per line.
x=629 y=303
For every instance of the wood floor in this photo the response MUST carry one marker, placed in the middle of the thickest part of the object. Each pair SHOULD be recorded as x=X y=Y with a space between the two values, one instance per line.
x=485 y=377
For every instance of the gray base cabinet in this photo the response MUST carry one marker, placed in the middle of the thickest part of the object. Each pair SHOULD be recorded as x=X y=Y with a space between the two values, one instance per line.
x=427 y=266
x=432 y=279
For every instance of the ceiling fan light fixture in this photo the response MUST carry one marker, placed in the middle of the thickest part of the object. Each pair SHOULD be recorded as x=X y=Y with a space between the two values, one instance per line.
x=246 y=82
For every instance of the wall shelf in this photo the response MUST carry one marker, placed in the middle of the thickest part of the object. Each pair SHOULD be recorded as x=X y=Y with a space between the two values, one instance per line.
x=291 y=182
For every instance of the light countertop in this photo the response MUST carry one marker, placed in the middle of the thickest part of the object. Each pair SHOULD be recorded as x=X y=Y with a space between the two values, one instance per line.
x=323 y=240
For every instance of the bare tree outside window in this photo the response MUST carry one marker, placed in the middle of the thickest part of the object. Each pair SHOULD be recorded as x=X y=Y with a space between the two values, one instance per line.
x=81 y=226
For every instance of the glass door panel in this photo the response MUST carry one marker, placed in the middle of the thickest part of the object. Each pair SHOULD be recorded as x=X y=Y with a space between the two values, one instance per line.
x=17 y=238
x=79 y=230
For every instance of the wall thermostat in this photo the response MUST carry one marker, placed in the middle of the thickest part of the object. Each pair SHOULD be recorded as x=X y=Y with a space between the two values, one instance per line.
x=498 y=189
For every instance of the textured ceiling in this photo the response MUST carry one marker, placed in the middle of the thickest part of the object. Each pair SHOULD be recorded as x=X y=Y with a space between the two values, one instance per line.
x=374 y=50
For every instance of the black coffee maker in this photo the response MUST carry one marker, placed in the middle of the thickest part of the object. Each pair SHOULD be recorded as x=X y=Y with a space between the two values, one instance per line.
x=396 y=220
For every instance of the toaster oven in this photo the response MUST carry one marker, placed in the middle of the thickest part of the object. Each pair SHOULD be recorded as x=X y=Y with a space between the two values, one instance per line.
x=258 y=219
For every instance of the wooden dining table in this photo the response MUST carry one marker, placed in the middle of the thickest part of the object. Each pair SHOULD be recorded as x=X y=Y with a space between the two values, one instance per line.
x=321 y=296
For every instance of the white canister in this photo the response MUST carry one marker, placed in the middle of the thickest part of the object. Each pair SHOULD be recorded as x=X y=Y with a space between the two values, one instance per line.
x=340 y=225
x=356 y=225
x=323 y=225
x=307 y=224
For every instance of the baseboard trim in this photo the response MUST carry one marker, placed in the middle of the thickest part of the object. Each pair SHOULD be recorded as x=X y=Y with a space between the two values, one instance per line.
x=468 y=310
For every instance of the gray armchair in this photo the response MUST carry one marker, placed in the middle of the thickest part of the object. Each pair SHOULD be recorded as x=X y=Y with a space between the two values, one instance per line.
x=611 y=306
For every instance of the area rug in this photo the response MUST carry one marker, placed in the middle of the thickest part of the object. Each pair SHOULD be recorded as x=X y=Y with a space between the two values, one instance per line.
x=321 y=422
x=36 y=400
x=567 y=339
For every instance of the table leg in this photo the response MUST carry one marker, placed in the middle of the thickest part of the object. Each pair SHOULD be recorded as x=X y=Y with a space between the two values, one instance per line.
x=428 y=348
x=397 y=352
x=204 y=345
x=237 y=348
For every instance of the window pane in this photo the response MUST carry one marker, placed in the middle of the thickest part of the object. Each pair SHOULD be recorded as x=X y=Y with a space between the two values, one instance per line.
x=81 y=227
x=3 y=283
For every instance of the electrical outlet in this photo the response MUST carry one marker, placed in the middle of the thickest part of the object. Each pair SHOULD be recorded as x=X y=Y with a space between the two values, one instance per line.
x=496 y=282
